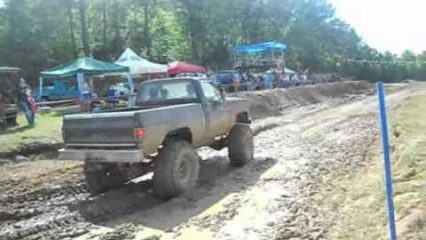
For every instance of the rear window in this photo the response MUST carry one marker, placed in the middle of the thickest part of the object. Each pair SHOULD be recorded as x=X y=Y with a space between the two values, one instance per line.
x=159 y=92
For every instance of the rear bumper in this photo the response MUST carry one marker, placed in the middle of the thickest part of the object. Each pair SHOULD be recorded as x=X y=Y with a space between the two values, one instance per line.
x=99 y=155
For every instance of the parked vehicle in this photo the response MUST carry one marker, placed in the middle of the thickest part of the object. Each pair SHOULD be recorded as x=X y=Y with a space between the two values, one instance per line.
x=171 y=118
x=193 y=75
x=231 y=81
x=9 y=78
x=56 y=90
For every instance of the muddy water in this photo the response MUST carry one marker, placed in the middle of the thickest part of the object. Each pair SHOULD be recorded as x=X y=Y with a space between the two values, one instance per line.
x=268 y=199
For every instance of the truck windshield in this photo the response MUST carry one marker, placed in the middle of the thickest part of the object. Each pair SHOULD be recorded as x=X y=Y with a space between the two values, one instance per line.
x=166 y=92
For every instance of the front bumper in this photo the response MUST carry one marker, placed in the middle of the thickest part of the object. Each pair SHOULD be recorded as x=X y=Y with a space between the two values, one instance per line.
x=99 y=155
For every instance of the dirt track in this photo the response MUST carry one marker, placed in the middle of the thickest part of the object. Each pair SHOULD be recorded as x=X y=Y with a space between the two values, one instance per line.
x=300 y=139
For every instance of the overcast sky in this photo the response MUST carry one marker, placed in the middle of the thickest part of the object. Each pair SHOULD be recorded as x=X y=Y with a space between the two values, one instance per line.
x=393 y=25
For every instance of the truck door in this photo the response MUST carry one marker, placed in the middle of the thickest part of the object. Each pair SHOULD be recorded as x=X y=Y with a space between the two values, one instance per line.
x=217 y=111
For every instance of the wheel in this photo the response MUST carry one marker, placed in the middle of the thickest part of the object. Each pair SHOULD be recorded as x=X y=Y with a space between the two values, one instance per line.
x=241 y=145
x=176 y=169
x=102 y=177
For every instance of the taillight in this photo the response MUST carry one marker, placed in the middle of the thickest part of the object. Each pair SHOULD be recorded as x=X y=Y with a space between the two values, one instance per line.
x=140 y=133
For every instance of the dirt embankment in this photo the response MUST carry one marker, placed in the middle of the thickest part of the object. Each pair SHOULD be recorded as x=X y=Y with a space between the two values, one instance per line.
x=270 y=103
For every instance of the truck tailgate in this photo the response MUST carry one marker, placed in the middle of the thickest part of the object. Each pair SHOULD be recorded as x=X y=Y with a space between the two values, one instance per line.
x=102 y=129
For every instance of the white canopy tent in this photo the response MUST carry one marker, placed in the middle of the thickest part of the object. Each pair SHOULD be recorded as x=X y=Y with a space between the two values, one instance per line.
x=139 y=65
x=289 y=71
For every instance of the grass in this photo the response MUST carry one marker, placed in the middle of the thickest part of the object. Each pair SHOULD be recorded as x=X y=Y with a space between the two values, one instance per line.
x=410 y=168
x=47 y=131
x=360 y=199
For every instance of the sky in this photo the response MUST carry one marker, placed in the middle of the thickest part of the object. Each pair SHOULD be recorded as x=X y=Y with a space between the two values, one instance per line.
x=387 y=25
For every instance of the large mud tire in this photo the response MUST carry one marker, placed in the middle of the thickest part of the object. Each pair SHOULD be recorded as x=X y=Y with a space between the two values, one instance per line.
x=103 y=177
x=241 y=145
x=176 y=169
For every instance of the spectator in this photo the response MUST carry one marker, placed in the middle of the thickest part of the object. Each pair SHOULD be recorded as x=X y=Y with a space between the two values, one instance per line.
x=3 y=121
x=153 y=94
x=164 y=94
x=190 y=91
x=268 y=80
x=25 y=102
x=86 y=97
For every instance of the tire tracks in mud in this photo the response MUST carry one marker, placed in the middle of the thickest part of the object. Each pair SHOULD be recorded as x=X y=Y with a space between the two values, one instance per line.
x=69 y=211
x=51 y=213
x=41 y=214
x=290 y=213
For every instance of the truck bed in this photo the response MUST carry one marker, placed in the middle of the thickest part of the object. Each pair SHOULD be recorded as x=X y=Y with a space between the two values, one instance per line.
x=116 y=129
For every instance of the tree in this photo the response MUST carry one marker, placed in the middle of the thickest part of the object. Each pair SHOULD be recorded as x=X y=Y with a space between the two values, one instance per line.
x=36 y=34
x=147 y=40
x=71 y=27
x=84 y=32
x=104 y=22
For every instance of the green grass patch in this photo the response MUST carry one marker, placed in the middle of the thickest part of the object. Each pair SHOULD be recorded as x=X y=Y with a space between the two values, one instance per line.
x=46 y=131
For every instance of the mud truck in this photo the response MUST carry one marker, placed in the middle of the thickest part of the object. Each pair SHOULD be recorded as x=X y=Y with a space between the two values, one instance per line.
x=169 y=120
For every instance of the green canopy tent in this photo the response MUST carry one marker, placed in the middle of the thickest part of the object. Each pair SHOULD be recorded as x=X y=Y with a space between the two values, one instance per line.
x=85 y=66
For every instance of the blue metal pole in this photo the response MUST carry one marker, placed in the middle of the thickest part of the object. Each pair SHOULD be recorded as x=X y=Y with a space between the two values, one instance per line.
x=387 y=159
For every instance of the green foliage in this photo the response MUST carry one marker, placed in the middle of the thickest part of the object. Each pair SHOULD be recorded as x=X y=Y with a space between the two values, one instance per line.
x=36 y=34
x=168 y=39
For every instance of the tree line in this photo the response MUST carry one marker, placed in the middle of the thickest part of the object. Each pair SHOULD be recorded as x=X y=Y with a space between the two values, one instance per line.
x=37 y=34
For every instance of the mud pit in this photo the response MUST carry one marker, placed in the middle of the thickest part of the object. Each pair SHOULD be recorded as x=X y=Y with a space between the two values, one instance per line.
x=301 y=135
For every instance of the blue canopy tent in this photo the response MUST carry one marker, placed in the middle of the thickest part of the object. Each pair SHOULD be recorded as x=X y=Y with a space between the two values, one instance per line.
x=85 y=66
x=261 y=54
x=260 y=47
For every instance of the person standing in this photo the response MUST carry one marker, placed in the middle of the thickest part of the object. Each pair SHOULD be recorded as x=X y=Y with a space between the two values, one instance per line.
x=25 y=102
x=269 y=80
x=86 y=97
x=3 y=120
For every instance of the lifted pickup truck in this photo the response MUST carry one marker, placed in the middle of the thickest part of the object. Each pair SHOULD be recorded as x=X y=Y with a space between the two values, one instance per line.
x=170 y=119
